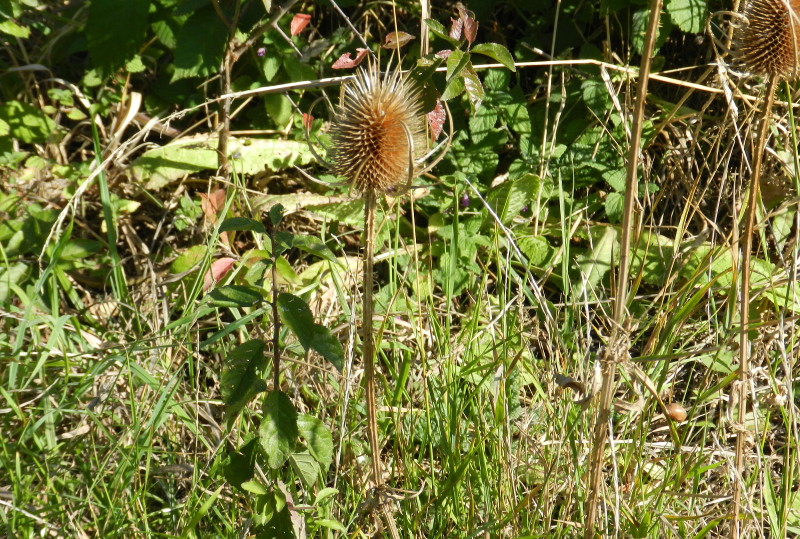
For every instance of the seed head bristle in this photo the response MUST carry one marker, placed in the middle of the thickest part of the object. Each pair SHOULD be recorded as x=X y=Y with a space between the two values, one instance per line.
x=378 y=125
x=768 y=44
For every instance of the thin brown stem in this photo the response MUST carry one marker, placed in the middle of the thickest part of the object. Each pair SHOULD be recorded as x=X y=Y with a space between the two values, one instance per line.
x=744 y=336
x=617 y=348
x=368 y=339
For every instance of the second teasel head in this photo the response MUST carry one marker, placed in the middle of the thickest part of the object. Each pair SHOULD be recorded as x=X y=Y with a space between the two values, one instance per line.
x=768 y=43
x=378 y=133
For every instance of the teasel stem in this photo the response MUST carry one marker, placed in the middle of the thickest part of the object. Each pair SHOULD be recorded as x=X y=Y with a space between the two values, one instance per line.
x=368 y=338
x=618 y=345
x=744 y=309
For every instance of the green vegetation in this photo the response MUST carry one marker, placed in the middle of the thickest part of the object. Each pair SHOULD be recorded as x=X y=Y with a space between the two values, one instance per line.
x=181 y=275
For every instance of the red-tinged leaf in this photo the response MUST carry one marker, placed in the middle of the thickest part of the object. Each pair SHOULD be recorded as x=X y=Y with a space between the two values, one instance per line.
x=470 y=24
x=299 y=22
x=395 y=40
x=456 y=27
x=218 y=270
x=436 y=119
x=307 y=121
x=345 y=62
x=212 y=204
x=444 y=54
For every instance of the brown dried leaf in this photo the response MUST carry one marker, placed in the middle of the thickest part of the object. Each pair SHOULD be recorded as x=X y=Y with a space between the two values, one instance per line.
x=345 y=62
x=436 y=119
x=299 y=22
x=218 y=270
x=212 y=204
x=395 y=40
x=470 y=24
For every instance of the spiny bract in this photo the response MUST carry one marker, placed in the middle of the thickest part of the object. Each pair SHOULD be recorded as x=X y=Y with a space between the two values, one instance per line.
x=379 y=131
x=768 y=43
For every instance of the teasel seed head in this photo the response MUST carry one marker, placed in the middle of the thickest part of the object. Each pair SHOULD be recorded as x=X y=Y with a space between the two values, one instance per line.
x=379 y=131
x=768 y=44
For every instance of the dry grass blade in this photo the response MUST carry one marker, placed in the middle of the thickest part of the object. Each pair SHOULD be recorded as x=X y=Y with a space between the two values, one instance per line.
x=617 y=349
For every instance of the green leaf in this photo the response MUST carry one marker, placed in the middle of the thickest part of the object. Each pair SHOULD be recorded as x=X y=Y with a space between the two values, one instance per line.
x=27 y=124
x=473 y=86
x=115 y=31
x=234 y=295
x=537 y=250
x=161 y=166
x=201 y=44
x=318 y=439
x=482 y=123
x=241 y=379
x=240 y=465
x=13 y=29
x=306 y=467
x=497 y=52
x=597 y=261
x=278 y=431
x=439 y=31
x=688 y=15
x=11 y=276
x=614 y=203
x=188 y=259
x=242 y=223
x=510 y=197
x=296 y=315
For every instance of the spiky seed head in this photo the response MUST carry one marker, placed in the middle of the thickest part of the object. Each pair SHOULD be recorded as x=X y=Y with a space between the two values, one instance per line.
x=768 y=44
x=378 y=126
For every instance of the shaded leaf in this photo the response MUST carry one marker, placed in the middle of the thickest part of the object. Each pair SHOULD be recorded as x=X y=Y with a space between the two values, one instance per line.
x=115 y=31
x=234 y=296
x=242 y=223
x=278 y=431
x=241 y=379
x=200 y=45
x=296 y=315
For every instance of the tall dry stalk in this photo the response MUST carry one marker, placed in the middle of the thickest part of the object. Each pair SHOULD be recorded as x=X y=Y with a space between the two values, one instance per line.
x=619 y=344
x=378 y=134
x=768 y=46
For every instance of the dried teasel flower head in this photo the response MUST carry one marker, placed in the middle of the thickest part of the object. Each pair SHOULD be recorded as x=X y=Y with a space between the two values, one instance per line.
x=379 y=131
x=768 y=44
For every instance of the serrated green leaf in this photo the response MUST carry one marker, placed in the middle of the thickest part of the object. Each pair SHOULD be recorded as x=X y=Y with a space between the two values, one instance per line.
x=115 y=31
x=497 y=52
x=482 y=123
x=614 y=203
x=439 y=31
x=688 y=15
x=473 y=86
x=306 y=467
x=536 y=249
x=296 y=315
x=508 y=198
x=26 y=123
x=200 y=45
x=234 y=295
x=318 y=439
x=278 y=431
x=242 y=223
x=240 y=376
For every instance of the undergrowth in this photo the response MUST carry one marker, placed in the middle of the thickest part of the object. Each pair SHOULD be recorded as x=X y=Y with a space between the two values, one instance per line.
x=180 y=276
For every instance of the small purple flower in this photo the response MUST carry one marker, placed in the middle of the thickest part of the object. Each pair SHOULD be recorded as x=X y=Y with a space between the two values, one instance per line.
x=465 y=200
x=261 y=51
x=525 y=209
